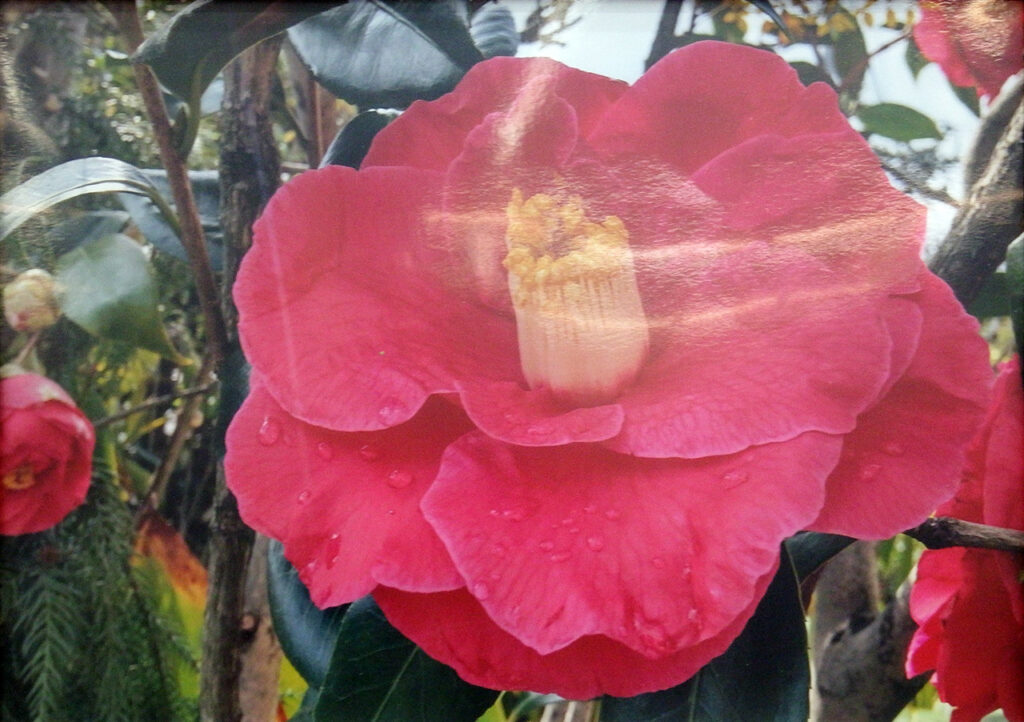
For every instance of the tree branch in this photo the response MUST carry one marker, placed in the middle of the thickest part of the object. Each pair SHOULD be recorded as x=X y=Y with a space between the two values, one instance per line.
x=944 y=532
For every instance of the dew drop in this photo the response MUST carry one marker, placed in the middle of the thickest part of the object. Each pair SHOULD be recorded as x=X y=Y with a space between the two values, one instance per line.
x=494 y=512
x=546 y=546
x=480 y=591
x=869 y=472
x=391 y=411
x=390 y=512
x=332 y=561
x=515 y=513
x=590 y=508
x=560 y=556
x=568 y=521
x=736 y=476
x=369 y=452
x=399 y=479
x=893 y=448
x=324 y=450
x=303 y=496
x=270 y=431
x=574 y=530
x=612 y=514
x=691 y=615
x=595 y=543
x=334 y=536
x=658 y=563
x=536 y=431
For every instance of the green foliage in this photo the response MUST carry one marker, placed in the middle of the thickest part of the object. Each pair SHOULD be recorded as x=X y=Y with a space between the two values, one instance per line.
x=897 y=122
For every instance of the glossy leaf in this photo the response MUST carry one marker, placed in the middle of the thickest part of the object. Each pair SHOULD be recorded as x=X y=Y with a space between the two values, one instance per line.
x=377 y=675
x=808 y=550
x=897 y=122
x=811 y=73
x=1015 y=283
x=851 y=53
x=352 y=142
x=376 y=54
x=967 y=96
x=915 y=60
x=86 y=227
x=493 y=30
x=993 y=299
x=763 y=676
x=306 y=632
x=109 y=290
x=71 y=180
x=165 y=237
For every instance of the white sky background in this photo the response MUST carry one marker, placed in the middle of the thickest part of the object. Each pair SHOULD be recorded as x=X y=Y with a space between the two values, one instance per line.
x=613 y=37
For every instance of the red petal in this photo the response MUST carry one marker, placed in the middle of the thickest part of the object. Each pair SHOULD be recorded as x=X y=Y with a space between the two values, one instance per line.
x=701 y=100
x=453 y=628
x=487 y=88
x=346 y=505
x=561 y=543
x=349 y=311
x=906 y=453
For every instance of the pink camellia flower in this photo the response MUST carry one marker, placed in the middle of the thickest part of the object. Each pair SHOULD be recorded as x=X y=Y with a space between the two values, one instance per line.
x=977 y=43
x=46 y=461
x=969 y=603
x=555 y=372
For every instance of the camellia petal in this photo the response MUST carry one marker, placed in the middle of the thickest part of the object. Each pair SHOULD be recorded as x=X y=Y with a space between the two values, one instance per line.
x=346 y=505
x=656 y=554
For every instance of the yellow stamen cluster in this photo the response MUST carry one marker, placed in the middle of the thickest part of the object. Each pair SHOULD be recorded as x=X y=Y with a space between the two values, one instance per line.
x=20 y=478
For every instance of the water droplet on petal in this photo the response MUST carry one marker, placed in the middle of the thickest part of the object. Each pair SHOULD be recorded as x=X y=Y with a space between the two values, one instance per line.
x=612 y=514
x=369 y=452
x=399 y=479
x=567 y=521
x=332 y=561
x=560 y=556
x=737 y=476
x=595 y=543
x=658 y=563
x=334 y=536
x=869 y=472
x=391 y=412
x=480 y=591
x=590 y=508
x=390 y=512
x=324 y=450
x=494 y=512
x=546 y=546
x=691 y=615
x=893 y=448
x=270 y=431
x=303 y=496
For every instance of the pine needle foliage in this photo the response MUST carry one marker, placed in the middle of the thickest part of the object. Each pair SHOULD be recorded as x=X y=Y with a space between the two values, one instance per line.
x=84 y=639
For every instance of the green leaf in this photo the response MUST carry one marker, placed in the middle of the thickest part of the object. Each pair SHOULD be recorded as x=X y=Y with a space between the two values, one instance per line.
x=110 y=292
x=811 y=73
x=165 y=237
x=377 y=675
x=493 y=30
x=1015 y=278
x=377 y=54
x=993 y=299
x=851 y=53
x=187 y=53
x=71 y=180
x=968 y=96
x=86 y=227
x=915 y=60
x=763 y=676
x=307 y=633
x=352 y=142
x=810 y=549
x=897 y=122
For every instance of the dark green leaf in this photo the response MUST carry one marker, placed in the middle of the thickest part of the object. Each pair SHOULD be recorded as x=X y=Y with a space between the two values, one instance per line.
x=377 y=675
x=376 y=54
x=86 y=227
x=763 y=676
x=350 y=145
x=811 y=73
x=1015 y=278
x=307 y=633
x=897 y=122
x=146 y=215
x=187 y=53
x=110 y=292
x=851 y=54
x=967 y=96
x=494 y=31
x=993 y=299
x=915 y=60
x=810 y=549
x=70 y=180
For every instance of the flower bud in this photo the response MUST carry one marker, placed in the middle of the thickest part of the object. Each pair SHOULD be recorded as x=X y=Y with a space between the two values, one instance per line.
x=30 y=301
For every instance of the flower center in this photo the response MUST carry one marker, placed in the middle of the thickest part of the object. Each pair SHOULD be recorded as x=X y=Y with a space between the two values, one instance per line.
x=580 y=323
x=20 y=478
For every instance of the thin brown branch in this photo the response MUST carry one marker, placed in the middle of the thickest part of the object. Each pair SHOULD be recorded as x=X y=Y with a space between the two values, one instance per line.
x=912 y=184
x=944 y=532
x=192 y=236
x=150 y=403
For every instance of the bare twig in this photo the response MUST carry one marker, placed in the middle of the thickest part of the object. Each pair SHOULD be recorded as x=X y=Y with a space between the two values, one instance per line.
x=912 y=184
x=944 y=532
x=150 y=403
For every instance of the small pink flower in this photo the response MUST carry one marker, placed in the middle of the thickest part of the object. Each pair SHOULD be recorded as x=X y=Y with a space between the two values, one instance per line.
x=977 y=43
x=556 y=371
x=46 y=444
x=969 y=603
